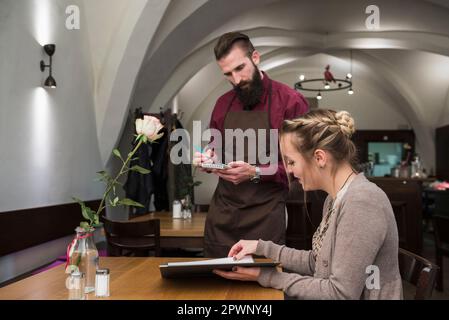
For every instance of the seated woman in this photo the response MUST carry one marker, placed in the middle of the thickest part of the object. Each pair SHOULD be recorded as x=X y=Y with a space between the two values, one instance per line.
x=355 y=249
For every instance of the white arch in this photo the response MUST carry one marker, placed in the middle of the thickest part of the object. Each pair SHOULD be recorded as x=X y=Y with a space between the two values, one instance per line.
x=122 y=67
x=179 y=56
x=396 y=88
x=127 y=83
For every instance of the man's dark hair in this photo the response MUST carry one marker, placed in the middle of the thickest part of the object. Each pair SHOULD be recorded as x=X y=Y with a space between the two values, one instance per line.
x=227 y=41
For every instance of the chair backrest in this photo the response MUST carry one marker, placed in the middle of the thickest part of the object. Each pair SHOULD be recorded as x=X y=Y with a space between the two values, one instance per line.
x=441 y=203
x=134 y=235
x=441 y=230
x=418 y=271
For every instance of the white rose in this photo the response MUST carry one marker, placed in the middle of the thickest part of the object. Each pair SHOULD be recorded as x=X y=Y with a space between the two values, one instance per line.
x=149 y=127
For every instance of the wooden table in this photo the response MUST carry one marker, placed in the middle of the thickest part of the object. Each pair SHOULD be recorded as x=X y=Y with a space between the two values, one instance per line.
x=140 y=279
x=179 y=233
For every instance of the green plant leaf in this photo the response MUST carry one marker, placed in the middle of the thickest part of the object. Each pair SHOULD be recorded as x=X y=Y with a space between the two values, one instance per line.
x=103 y=176
x=84 y=225
x=71 y=268
x=83 y=208
x=197 y=183
x=129 y=202
x=116 y=152
x=87 y=212
x=140 y=169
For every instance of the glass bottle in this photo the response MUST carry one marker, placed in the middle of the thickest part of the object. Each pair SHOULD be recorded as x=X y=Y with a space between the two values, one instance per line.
x=416 y=167
x=84 y=255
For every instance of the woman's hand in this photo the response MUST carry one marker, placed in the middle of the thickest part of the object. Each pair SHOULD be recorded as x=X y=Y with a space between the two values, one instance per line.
x=240 y=273
x=243 y=248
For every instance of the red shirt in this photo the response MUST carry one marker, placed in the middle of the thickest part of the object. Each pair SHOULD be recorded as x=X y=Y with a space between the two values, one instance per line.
x=286 y=103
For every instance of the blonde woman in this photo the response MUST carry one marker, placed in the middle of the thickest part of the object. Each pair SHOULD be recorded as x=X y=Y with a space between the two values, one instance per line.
x=355 y=249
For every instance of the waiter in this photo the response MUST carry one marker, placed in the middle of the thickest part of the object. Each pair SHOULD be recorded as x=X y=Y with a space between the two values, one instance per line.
x=249 y=201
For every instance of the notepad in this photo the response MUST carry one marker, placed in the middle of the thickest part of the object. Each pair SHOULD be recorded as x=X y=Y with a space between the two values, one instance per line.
x=205 y=267
x=221 y=261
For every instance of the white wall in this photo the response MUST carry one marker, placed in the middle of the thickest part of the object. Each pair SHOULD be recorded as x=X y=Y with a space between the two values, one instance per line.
x=48 y=141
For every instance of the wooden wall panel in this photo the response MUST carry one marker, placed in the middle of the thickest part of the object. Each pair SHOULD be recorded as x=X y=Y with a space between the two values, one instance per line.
x=22 y=229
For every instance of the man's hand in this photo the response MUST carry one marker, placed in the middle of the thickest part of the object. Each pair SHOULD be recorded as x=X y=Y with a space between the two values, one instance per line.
x=238 y=172
x=207 y=157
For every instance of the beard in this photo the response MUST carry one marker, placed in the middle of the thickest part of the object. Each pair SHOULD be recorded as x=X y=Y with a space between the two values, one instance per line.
x=250 y=92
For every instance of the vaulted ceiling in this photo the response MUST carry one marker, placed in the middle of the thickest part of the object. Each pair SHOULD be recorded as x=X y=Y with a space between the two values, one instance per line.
x=166 y=51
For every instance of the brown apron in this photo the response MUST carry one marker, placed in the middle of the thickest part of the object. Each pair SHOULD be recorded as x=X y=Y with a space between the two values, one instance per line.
x=248 y=210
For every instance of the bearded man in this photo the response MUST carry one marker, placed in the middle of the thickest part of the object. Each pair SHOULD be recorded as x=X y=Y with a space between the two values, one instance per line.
x=249 y=201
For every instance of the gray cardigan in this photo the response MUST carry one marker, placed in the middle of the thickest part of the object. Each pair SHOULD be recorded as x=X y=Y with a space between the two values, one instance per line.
x=362 y=232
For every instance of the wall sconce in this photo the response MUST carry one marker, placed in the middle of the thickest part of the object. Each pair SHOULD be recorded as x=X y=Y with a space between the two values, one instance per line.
x=50 y=82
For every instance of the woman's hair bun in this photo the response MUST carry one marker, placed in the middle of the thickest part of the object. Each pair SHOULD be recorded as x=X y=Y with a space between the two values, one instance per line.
x=346 y=123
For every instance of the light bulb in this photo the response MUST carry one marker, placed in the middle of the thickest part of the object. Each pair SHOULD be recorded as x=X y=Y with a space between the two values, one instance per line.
x=350 y=91
x=302 y=77
x=327 y=86
x=349 y=76
x=319 y=97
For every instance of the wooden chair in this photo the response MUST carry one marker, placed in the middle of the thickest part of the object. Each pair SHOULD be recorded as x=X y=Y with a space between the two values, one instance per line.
x=419 y=272
x=441 y=231
x=130 y=237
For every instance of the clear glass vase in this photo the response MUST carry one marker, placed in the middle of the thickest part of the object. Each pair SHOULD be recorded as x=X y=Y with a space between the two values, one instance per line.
x=83 y=256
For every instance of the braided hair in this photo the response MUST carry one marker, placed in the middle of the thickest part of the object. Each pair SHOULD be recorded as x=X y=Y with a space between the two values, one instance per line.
x=323 y=129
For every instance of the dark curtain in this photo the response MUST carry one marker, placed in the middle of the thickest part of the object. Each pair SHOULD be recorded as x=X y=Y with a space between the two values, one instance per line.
x=140 y=187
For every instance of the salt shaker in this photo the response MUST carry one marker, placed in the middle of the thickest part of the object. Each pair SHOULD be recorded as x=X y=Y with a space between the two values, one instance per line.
x=177 y=209
x=102 y=283
x=76 y=283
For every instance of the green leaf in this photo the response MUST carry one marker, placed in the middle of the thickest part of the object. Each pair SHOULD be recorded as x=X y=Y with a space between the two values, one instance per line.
x=116 y=152
x=85 y=225
x=140 y=169
x=71 y=268
x=197 y=183
x=116 y=200
x=87 y=212
x=103 y=176
x=129 y=202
